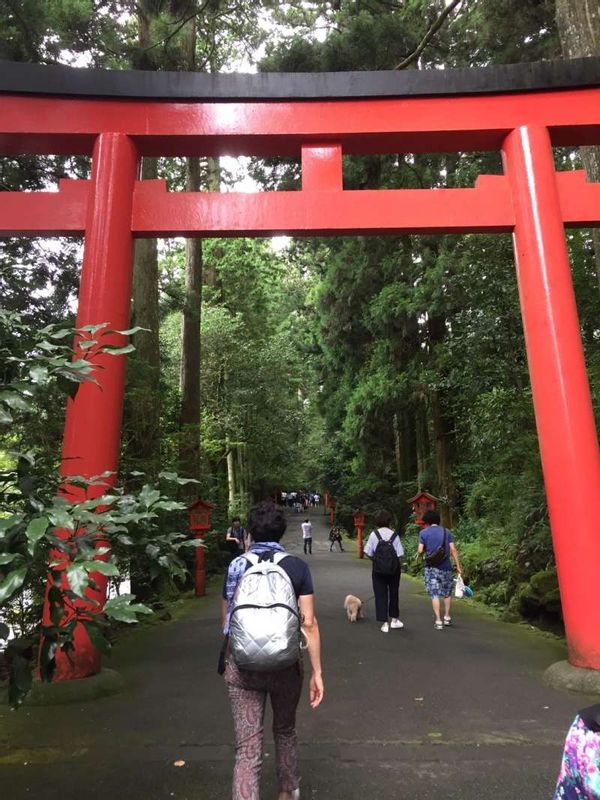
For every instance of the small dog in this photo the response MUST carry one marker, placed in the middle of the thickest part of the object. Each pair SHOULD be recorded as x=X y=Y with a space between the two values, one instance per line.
x=353 y=607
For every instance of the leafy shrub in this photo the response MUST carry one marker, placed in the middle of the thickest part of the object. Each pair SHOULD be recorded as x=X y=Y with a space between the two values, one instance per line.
x=61 y=537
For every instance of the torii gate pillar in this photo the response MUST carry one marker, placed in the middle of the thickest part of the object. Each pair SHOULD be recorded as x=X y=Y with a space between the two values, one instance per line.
x=561 y=394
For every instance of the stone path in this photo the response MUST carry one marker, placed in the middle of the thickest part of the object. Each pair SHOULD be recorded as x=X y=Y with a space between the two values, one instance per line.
x=458 y=714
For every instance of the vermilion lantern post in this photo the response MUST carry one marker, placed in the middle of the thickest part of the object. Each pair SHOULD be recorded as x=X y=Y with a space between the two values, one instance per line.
x=359 y=524
x=199 y=514
x=332 y=505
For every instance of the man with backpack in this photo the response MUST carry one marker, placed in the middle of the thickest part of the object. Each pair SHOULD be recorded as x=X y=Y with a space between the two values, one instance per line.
x=385 y=551
x=268 y=609
x=437 y=546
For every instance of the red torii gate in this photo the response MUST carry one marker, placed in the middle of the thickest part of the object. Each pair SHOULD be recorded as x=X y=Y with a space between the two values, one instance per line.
x=520 y=110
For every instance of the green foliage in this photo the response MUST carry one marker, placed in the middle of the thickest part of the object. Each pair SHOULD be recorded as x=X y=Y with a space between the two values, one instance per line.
x=71 y=534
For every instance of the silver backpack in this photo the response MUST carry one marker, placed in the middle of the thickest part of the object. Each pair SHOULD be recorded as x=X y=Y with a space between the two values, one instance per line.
x=264 y=625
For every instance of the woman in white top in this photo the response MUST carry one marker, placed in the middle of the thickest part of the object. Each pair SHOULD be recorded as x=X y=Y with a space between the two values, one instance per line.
x=385 y=551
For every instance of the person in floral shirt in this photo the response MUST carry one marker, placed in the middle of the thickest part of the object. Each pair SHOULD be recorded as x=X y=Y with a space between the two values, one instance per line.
x=579 y=777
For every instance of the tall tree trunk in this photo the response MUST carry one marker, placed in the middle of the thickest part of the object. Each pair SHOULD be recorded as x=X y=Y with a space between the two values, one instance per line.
x=189 y=450
x=442 y=435
x=144 y=407
x=398 y=450
x=579 y=28
x=231 y=485
x=189 y=453
x=143 y=411
x=241 y=472
x=442 y=426
x=422 y=440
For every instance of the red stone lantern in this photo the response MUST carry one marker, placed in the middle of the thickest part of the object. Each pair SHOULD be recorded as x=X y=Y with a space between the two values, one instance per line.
x=332 y=505
x=359 y=524
x=199 y=515
x=422 y=502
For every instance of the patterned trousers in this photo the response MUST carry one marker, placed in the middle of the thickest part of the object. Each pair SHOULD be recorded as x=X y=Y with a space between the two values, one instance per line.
x=248 y=693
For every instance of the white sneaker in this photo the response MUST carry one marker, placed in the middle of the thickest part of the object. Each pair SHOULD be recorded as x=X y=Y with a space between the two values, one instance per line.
x=396 y=623
x=385 y=628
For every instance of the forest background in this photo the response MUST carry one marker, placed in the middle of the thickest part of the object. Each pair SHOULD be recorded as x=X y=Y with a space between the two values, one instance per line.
x=374 y=366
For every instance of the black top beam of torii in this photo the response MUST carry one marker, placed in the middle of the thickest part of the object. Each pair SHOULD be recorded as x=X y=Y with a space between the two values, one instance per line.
x=36 y=79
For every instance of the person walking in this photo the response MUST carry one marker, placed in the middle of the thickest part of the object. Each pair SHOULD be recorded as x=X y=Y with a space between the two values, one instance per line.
x=385 y=550
x=236 y=538
x=307 y=536
x=335 y=537
x=437 y=546
x=579 y=775
x=249 y=689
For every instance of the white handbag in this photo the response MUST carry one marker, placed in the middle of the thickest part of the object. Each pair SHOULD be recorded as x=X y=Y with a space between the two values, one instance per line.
x=459 y=587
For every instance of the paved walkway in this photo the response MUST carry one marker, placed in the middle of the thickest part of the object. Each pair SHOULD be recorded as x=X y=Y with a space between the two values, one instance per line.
x=414 y=714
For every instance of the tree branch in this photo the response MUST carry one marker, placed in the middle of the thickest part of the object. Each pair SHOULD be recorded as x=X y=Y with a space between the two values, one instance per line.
x=430 y=33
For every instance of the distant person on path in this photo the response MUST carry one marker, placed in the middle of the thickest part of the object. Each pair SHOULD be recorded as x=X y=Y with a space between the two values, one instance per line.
x=248 y=690
x=235 y=537
x=335 y=536
x=579 y=777
x=307 y=536
x=385 y=550
x=437 y=545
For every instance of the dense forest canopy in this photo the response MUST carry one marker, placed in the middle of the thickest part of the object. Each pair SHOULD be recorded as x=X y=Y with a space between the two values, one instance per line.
x=374 y=366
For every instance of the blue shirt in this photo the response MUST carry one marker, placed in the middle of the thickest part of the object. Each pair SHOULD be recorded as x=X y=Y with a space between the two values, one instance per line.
x=432 y=538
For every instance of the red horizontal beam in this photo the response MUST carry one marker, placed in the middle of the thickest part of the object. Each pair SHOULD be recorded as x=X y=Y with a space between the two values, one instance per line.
x=59 y=213
x=417 y=124
x=156 y=212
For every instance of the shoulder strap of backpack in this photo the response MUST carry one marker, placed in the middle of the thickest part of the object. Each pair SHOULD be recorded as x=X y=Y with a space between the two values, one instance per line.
x=378 y=535
x=278 y=557
x=392 y=537
x=253 y=558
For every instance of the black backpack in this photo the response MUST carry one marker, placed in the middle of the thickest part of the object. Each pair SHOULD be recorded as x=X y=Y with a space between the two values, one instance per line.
x=385 y=558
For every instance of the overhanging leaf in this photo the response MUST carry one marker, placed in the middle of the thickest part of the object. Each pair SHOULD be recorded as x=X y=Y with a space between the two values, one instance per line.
x=78 y=579
x=13 y=581
x=56 y=602
x=118 y=351
x=35 y=530
x=123 y=610
x=8 y=558
x=93 y=329
x=38 y=374
x=97 y=638
x=103 y=567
